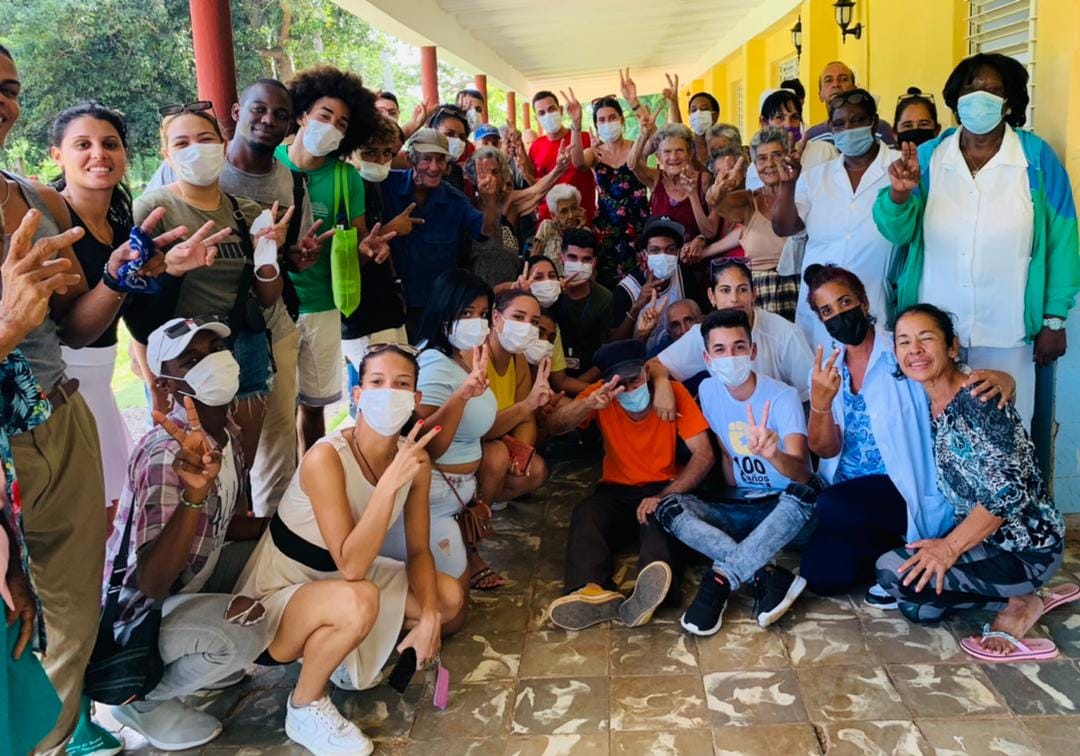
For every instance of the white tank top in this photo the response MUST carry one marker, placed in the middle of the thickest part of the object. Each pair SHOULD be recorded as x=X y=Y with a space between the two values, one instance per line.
x=295 y=509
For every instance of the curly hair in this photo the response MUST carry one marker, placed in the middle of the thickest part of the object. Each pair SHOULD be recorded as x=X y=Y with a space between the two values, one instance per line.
x=673 y=131
x=1014 y=77
x=503 y=170
x=312 y=84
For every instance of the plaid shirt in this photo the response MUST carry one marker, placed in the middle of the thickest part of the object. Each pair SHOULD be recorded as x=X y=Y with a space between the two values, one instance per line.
x=154 y=489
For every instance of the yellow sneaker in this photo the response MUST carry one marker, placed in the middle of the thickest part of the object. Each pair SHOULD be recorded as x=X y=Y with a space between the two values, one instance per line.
x=585 y=607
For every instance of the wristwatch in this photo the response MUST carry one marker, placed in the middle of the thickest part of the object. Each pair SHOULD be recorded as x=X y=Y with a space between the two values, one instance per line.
x=1054 y=324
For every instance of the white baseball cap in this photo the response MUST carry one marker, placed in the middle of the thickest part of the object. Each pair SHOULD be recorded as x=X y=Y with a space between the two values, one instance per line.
x=171 y=339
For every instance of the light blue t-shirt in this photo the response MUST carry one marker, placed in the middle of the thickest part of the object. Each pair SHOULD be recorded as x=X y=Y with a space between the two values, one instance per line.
x=860 y=456
x=440 y=377
x=727 y=418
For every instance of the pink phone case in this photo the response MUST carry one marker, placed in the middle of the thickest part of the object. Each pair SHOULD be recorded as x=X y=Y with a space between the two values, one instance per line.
x=442 y=688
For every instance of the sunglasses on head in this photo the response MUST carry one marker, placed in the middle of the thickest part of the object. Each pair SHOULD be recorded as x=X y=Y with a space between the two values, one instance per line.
x=853 y=97
x=383 y=346
x=197 y=106
x=914 y=96
x=176 y=330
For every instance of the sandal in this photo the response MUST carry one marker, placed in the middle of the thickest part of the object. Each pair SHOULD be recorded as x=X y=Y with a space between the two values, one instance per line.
x=1058 y=595
x=1032 y=649
x=483 y=574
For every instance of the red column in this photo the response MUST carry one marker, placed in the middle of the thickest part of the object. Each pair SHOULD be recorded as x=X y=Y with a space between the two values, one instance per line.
x=429 y=74
x=215 y=62
x=480 y=81
x=511 y=109
x=525 y=124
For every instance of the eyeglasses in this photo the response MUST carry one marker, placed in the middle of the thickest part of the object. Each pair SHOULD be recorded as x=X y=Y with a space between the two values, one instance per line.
x=855 y=97
x=197 y=106
x=915 y=96
x=383 y=346
x=176 y=330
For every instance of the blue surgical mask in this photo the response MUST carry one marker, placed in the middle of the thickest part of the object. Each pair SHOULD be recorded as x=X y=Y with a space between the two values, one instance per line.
x=636 y=400
x=854 y=142
x=980 y=112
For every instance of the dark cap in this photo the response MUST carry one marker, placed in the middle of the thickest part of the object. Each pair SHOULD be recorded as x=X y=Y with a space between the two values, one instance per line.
x=622 y=358
x=661 y=225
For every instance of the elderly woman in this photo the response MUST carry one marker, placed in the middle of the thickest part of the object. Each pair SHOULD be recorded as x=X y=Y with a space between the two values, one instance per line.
x=622 y=200
x=1006 y=537
x=564 y=202
x=832 y=202
x=990 y=223
x=721 y=135
x=753 y=210
x=497 y=259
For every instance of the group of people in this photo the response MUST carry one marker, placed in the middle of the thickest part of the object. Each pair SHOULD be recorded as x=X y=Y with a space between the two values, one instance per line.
x=826 y=338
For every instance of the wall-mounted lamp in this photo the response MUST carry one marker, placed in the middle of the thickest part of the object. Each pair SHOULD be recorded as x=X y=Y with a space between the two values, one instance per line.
x=796 y=37
x=844 y=9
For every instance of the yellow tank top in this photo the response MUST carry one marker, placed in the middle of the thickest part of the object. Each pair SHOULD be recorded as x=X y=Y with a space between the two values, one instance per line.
x=503 y=386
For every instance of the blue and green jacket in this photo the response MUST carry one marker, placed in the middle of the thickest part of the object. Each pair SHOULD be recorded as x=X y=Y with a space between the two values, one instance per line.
x=1054 y=272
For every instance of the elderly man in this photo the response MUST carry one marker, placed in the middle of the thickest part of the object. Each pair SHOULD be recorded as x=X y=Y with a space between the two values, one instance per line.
x=681 y=316
x=435 y=245
x=639 y=470
x=838 y=78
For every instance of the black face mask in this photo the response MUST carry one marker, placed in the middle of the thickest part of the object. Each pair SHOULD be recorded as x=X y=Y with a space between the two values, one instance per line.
x=849 y=327
x=915 y=136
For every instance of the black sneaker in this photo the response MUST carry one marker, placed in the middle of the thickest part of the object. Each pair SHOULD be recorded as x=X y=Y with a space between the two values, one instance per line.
x=879 y=598
x=705 y=615
x=775 y=590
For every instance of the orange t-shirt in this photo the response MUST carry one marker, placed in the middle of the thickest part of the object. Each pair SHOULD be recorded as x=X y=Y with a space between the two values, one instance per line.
x=637 y=452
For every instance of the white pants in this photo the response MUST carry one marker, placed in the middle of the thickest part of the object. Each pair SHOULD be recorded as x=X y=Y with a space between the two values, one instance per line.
x=275 y=460
x=1017 y=362
x=447 y=546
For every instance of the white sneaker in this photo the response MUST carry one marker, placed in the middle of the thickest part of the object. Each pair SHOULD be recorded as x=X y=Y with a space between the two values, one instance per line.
x=170 y=726
x=320 y=728
x=498 y=506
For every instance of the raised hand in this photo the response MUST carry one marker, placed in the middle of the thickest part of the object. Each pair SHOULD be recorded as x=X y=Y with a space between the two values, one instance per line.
x=728 y=181
x=648 y=292
x=647 y=119
x=523 y=280
x=762 y=440
x=196 y=464
x=30 y=276
x=476 y=383
x=628 y=88
x=278 y=230
x=305 y=252
x=562 y=161
x=671 y=91
x=650 y=316
x=409 y=458
x=603 y=396
x=692 y=251
x=540 y=393
x=487 y=186
x=573 y=108
x=904 y=172
x=376 y=244
x=403 y=223
x=194 y=252
x=824 y=381
x=789 y=169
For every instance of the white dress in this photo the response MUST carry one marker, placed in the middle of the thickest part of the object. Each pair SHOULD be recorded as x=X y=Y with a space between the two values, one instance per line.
x=273 y=578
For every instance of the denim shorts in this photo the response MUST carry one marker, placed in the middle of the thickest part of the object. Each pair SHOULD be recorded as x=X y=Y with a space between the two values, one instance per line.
x=252 y=351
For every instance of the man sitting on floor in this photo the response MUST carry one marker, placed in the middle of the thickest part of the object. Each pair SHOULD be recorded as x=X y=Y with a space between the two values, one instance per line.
x=639 y=470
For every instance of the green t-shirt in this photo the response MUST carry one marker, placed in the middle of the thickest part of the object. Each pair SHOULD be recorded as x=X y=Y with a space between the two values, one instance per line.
x=313 y=284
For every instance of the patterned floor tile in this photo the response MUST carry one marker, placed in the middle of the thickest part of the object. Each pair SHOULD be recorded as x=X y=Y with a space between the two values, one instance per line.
x=880 y=738
x=557 y=745
x=653 y=649
x=497 y=612
x=1038 y=688
x=818 y=608
x=561 y=706
x=753 y=697
x=897 y=641
x=981 y=737
x=382 y=712
x=258 y=720
x=1057 y=736
x=494 y=746
x=945 y=690
x=480 y=656
x=769 y=740
x=1064 y=628
x=816 y=642
x=834 y=694
x=479 y=710
x=661 y=703
x=557 y=653
x=741 y=645
x=674 y=743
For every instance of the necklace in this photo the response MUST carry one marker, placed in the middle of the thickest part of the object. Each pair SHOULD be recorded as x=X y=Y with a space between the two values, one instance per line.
x=976 y=168
x=356 y=445
x=103 y=235
x=7 y=194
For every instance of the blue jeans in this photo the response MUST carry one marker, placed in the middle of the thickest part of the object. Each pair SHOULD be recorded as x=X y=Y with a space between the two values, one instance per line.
x=739 y=538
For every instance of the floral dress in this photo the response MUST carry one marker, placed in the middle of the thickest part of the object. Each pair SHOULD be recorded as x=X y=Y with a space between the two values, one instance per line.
x=621 y=213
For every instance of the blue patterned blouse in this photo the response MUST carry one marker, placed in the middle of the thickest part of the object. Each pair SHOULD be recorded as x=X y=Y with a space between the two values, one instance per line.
x=860 y=456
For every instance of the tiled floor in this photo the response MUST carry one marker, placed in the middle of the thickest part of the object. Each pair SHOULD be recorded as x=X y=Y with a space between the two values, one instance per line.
x=831 y=676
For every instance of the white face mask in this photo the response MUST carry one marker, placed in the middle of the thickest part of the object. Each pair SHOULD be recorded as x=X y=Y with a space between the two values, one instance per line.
x=663 y=266
x=214 y=380
x=468 y=333
x=374 y=172
x=700 y=120
x=609 y=131
x=546 y=292
x=386 y=410
x=731 y=371
x=538 y=350
x=473 y=117
x=321 y=138
x=516 y=335
x=456 y=146
x=579 y=271
x=199 y=164
x=551 y=122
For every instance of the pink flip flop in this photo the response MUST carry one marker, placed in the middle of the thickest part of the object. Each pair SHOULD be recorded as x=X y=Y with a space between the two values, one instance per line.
x=1033 y=649
x=1058 y=595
